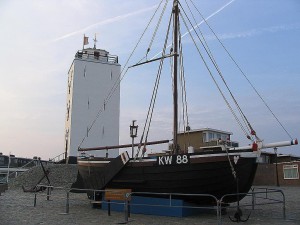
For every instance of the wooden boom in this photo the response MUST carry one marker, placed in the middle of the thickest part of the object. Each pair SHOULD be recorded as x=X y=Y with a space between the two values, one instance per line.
x=121 y=146
x=280 y=144
x=261 y=145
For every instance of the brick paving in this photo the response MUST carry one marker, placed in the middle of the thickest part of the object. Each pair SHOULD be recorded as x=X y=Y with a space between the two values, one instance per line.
x=17 y=208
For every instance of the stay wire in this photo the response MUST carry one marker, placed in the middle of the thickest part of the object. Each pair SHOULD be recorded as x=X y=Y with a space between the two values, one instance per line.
x=209 y=53
x=145 y=57
x=242 y=72
x=117 y=84
x=244 y=118
x=182 y=82
x=213 y=78
x=183 y=93
x=219 y=72
x=157 y=26
x=159 y=73
x=154 y=95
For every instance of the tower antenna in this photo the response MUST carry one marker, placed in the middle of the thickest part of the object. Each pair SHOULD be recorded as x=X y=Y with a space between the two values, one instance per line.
x=95 y=41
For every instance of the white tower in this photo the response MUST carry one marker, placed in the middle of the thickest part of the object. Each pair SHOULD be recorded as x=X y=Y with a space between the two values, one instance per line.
x=91 y=78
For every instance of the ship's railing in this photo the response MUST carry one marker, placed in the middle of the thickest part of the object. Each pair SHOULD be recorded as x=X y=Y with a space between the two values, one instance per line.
x=99 y=57
x=255 y=195
x=58 y=158
x=220 y=142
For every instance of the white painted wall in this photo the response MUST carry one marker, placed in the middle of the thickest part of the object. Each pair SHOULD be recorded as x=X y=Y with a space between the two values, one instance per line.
x=89 y=82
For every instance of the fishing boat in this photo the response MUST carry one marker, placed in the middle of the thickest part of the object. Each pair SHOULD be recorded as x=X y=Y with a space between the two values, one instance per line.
x=214 y=169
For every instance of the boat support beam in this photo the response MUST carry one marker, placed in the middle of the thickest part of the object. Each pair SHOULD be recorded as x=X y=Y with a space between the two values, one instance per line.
x=122 y=146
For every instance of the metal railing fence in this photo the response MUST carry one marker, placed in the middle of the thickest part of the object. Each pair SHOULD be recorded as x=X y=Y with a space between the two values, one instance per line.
x=263 y=193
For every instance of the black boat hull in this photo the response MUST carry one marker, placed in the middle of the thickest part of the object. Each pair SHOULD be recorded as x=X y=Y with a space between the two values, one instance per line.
x=201 y=175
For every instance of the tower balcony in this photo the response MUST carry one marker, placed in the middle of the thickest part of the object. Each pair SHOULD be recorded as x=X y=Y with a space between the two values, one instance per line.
x=97 y=54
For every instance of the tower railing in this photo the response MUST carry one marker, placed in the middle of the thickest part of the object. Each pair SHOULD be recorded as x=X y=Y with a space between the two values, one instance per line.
x=97 y=55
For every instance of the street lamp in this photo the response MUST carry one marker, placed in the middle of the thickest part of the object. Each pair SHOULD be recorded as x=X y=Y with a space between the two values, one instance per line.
x=133 y=134
x=276 y=162
x=66 y=144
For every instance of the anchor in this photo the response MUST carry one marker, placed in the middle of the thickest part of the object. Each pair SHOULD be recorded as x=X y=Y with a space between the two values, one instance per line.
x=239 y=213
x=36 y=188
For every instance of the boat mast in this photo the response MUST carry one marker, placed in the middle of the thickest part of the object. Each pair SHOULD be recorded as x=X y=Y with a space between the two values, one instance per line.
x=175 y=65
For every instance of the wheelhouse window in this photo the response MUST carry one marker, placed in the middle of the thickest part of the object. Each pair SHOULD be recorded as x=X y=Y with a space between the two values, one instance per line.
x=225 y=137
x=290 y=172
x=204 y=137
x=210 y=136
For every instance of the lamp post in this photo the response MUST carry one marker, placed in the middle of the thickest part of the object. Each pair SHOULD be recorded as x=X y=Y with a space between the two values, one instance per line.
x=133 y=134
x=66 y=144
x=276 y=161
x=8 y=165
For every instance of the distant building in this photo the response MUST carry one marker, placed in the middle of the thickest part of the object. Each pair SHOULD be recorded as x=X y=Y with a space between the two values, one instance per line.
x=200 y=139
x=283 y=173
x=92 y=76
x=12 y=166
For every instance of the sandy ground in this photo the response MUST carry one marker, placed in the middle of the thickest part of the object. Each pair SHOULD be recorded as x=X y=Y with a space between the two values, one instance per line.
x=17 y=208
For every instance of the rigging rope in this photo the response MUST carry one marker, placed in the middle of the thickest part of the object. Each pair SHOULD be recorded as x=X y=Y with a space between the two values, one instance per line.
x=117 y=83
x=209 y=53
x=156 y=28
x=242 y=72
x=185 y=116
x=233 y=172
x=213 y=78
x=154 y=95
